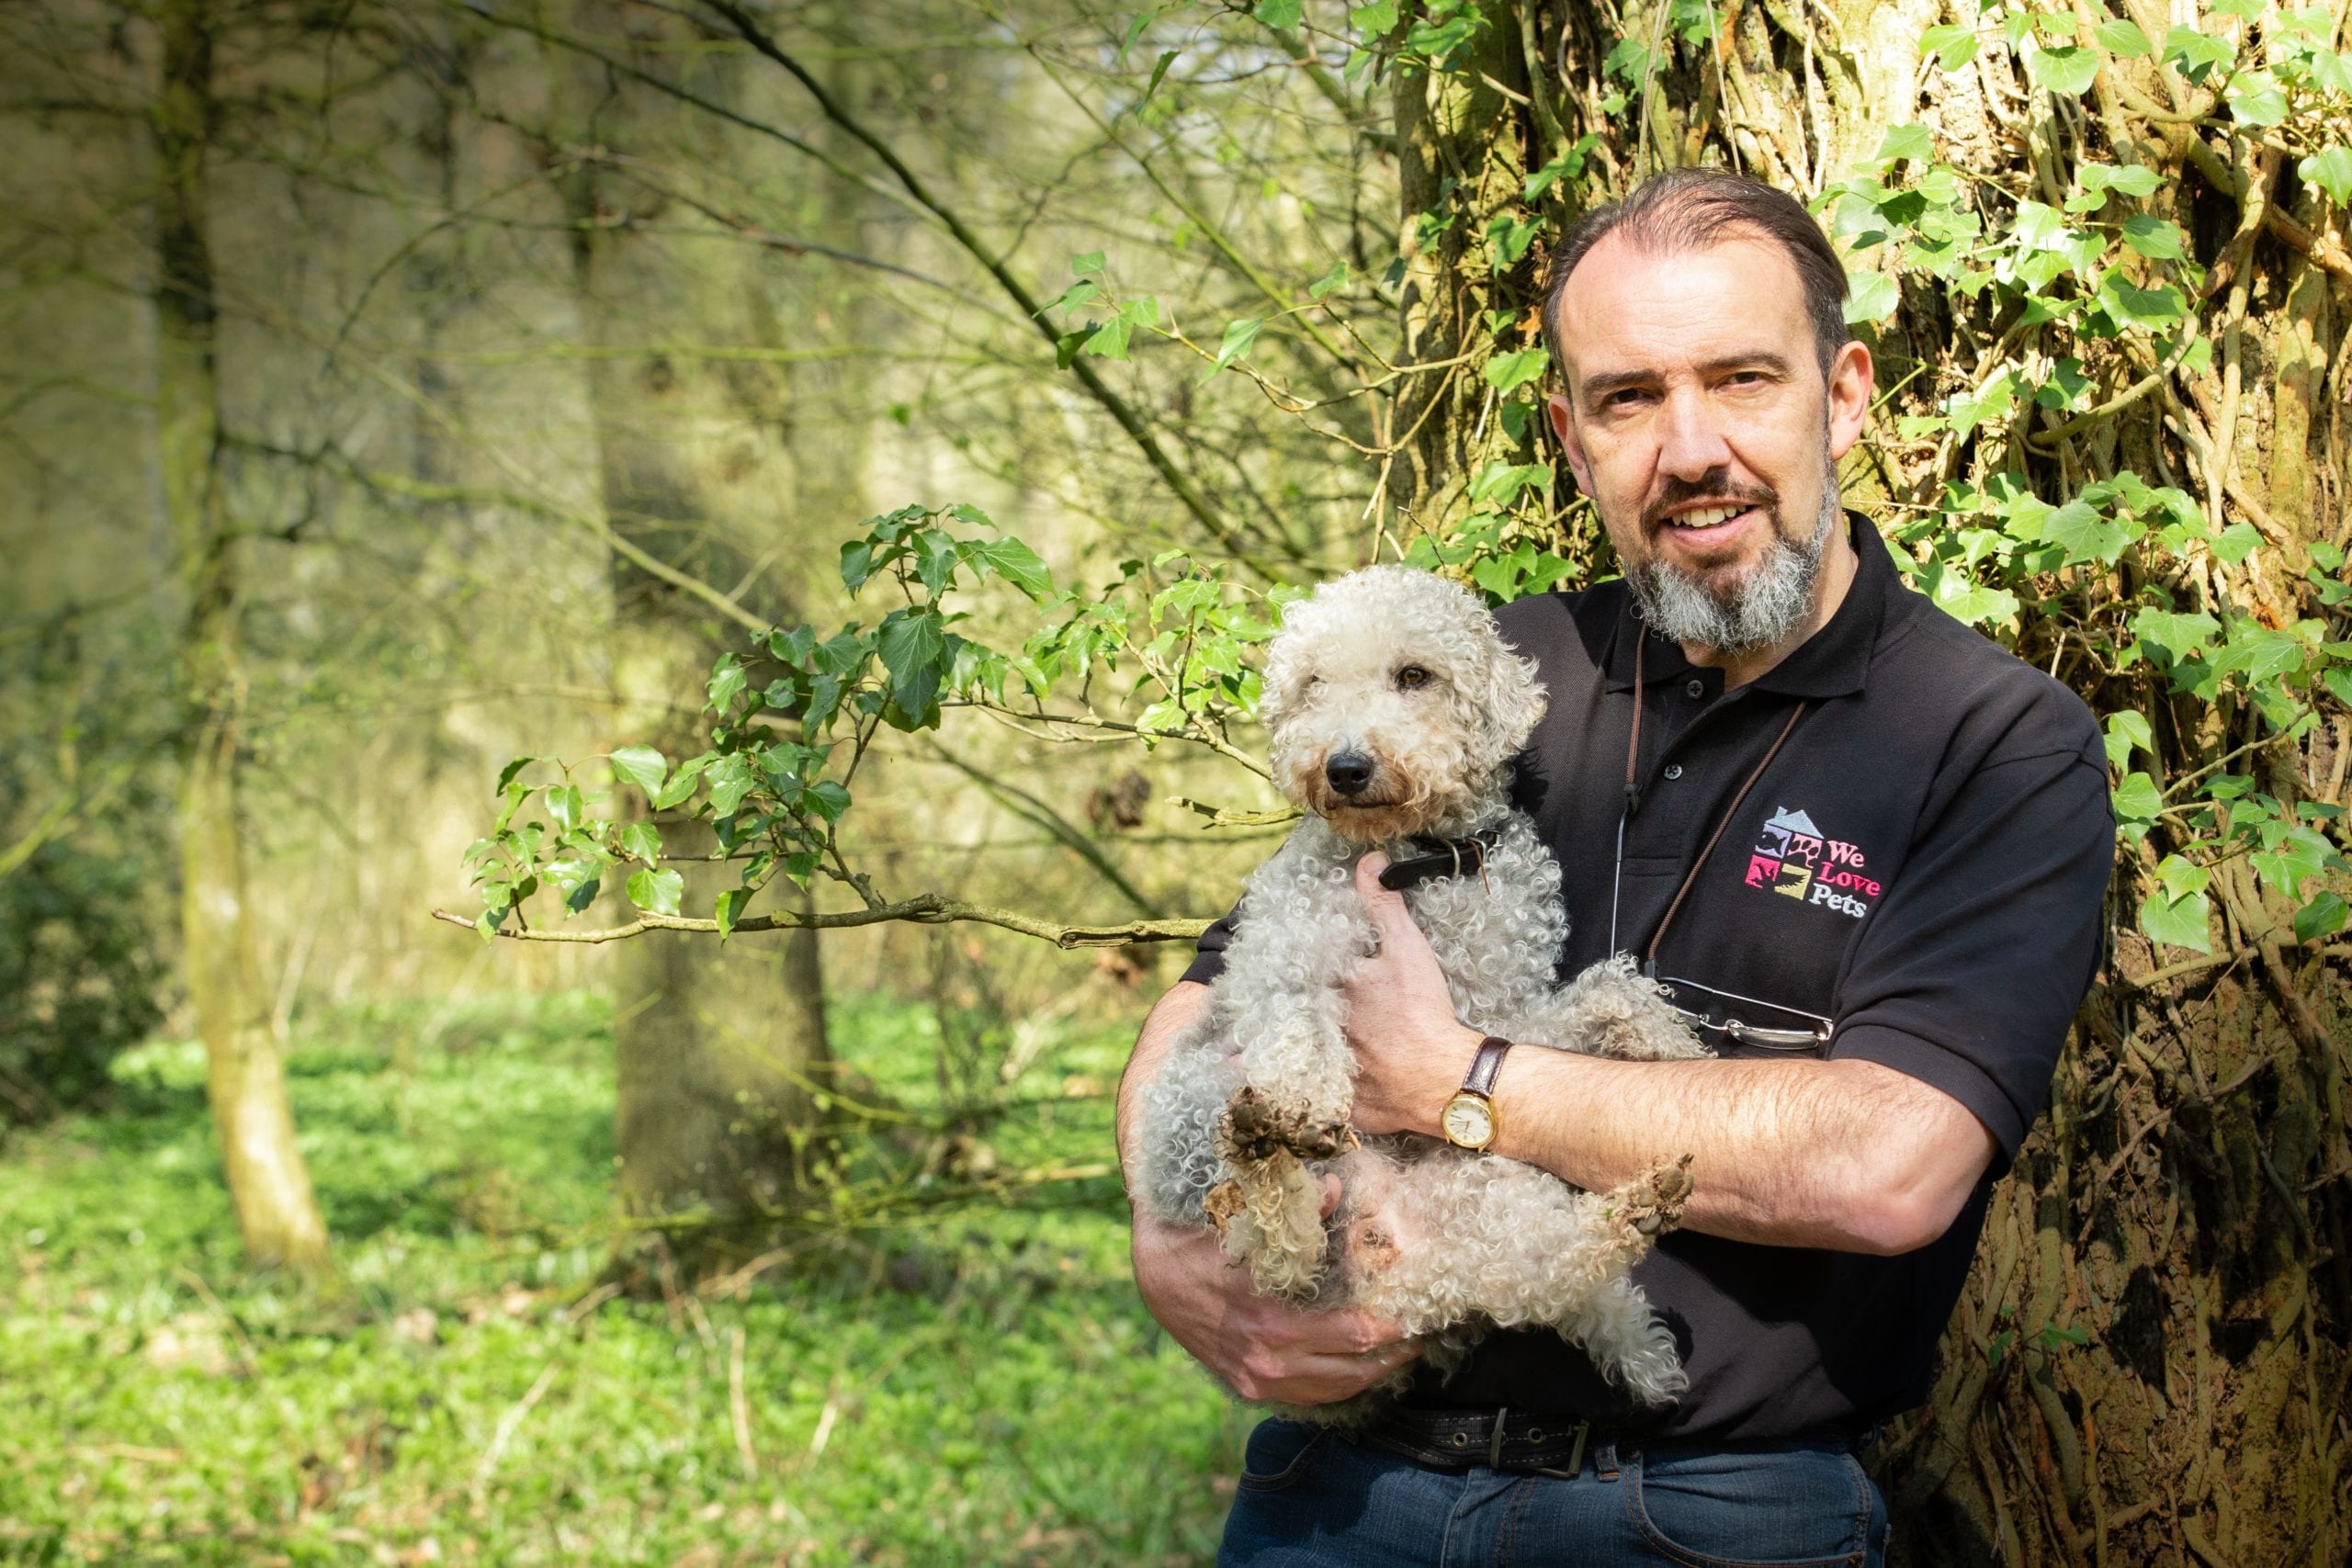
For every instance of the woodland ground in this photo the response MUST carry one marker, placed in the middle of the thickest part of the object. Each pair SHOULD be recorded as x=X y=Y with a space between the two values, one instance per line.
x=974 y=1386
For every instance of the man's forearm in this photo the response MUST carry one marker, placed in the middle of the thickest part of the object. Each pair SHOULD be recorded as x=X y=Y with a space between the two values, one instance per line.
x=1844 y=1155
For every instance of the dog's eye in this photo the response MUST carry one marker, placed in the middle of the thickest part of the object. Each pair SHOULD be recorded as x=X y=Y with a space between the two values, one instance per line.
x=1411 y=676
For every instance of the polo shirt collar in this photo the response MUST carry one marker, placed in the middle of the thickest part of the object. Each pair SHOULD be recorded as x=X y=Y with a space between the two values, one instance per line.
x=1832 y=662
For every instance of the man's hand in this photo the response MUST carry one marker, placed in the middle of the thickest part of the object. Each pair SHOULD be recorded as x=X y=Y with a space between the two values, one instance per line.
x=1261 y=1350
x=1411 y=1051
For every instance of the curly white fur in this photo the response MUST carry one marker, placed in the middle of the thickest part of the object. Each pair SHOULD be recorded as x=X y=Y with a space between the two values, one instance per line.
x=1407 y=672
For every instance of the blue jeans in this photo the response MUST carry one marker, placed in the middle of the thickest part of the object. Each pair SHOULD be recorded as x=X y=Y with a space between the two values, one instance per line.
x=1310 y=1497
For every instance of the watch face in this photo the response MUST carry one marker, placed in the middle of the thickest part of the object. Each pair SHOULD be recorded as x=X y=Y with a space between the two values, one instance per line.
x=1469 y=1122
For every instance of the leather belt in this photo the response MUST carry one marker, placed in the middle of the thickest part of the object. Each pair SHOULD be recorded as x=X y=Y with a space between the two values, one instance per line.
x=1456 y=1439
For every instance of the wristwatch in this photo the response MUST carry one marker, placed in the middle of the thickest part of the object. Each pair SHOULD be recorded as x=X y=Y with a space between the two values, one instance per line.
x=1469 y=1120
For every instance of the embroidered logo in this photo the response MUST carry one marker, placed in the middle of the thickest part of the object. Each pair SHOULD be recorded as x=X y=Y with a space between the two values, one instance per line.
x=1795 y=859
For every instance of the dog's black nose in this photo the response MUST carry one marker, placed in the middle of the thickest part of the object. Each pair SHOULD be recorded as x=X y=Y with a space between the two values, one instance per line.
x=1349 y=772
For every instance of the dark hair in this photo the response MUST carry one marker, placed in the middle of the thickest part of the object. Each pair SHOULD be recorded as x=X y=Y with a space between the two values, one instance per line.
x=1686 y=209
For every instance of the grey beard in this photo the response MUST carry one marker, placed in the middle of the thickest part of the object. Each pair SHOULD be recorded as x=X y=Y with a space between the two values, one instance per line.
x=1766 y=605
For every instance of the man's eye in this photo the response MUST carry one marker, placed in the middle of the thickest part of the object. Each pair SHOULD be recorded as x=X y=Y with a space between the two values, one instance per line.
x=1412 y=676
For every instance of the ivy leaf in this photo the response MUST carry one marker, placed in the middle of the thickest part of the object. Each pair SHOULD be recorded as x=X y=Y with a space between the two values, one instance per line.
x=2177 y=635
x=2154 y=238
x=1914 y=142
x=2182 y=877
x=2066 y=70
x=731 y=781
x=2124 y=40
x=2126 y=730
x=1505 y=372
x=2179 y=923
x=730 y=910
x=2323 y=917
x=1238 y=336
x=2196 y=52
x=563 y=808
x=682 y=783
x=725 y=681
x=657 y=890
x=2300 y=854
x=1279 y=12
x=1109 y=339
x=1954 y=47
x=1872 y=297
x=2084 y=534
x=2137 y=799
x=1013 y=561
x=1374 y=20
x=1086 y=262
x=641 y=841
x=2331 y=171
x=910 y=646
x=2263 y=105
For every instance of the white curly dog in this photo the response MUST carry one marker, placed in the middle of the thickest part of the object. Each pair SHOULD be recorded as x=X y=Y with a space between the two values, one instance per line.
x=1393 y=709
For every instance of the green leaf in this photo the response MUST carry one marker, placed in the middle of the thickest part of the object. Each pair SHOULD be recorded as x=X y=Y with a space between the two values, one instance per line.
x=657 y=890
x=2300 y=854
x=725 y=681
x=827 y=799
x=1238 y=336
x=2137 y=799
x=1278 y=12
x=2126 y=730
x=2261 y=104
x=1870 y=296
x=2154 y=238
x=2237 y=542
x=1109 y=339
x=730 y=910
x=1954 y=47
x=1013 y=561
x=682 y=783
x=2323 y=917
x=2124 y=40
x=2084 y=534
x=2066 y=70
x=2197 y=52
x=910 y=646
x=1090 y=261
x=731 y=781
x=641 y=841
x=563 y=808
x=506 y=774
x=2178 y=635
x=1167 y=59
x=641 y=766
x=1508 y=371
x=1914 y=142
x=1374 y=20
x=2182 y=877
x=2331 y=171
x=2178 y=922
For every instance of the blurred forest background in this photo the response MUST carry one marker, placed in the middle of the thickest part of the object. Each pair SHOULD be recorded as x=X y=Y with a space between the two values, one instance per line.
x=619 y=475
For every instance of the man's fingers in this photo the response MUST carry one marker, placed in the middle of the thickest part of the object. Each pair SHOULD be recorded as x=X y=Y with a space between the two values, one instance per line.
x=1382 y=904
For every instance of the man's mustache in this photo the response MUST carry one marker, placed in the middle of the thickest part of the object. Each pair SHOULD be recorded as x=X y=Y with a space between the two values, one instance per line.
x=1681 y=492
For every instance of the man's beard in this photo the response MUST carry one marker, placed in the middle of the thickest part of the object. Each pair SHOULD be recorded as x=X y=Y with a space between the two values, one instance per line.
x=1763 y=607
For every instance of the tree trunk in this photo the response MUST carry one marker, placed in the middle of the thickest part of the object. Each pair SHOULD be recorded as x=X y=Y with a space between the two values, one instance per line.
x=721 y=1047
x=2148 y=1364
x=276 y=1212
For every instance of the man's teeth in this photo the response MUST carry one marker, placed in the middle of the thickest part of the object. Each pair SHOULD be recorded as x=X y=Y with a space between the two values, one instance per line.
x=1705 y=517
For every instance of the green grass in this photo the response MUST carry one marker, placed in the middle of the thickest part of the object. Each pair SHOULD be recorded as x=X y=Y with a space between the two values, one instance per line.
x=971 y=1387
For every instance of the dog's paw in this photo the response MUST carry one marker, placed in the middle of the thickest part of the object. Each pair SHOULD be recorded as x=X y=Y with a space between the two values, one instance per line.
x=1254 y=1128
x=1651 y=1204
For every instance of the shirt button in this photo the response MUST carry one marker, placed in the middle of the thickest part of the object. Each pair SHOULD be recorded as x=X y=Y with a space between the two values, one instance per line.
x=1695 y=689
x=1674 y=770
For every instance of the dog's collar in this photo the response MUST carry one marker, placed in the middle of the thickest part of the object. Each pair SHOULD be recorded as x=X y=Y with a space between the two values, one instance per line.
x=1451 y=857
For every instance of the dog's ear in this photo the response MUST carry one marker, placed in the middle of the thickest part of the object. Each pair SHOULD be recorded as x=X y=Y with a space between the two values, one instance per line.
x=1512 y=703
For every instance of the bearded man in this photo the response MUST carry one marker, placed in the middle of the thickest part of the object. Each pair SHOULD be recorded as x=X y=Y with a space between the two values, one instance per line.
x=1867 y=852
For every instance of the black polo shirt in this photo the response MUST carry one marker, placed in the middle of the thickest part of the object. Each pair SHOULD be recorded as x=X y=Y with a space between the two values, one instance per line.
x=1923 y=862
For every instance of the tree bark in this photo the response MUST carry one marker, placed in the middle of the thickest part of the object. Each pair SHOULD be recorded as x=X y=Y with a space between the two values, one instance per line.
x=721 y=1047
x=278 y=1214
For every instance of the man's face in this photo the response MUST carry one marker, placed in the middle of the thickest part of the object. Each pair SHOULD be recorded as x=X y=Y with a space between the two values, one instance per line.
x=1698 y=419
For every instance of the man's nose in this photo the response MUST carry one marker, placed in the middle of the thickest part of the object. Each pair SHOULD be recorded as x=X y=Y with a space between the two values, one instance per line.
x=1691 y=440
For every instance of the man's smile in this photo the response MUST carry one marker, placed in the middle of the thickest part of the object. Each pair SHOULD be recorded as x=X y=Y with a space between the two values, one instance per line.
x=1708 y=527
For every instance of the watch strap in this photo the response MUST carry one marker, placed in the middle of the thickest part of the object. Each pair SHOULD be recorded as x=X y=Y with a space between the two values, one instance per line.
x=1480 y=1080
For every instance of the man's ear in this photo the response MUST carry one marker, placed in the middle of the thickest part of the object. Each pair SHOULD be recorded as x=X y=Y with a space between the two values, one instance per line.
x=1851 y=377
x=1564 y=425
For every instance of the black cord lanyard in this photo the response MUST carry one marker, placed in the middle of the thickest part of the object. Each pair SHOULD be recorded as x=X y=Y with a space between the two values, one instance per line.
x=1633 y=801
